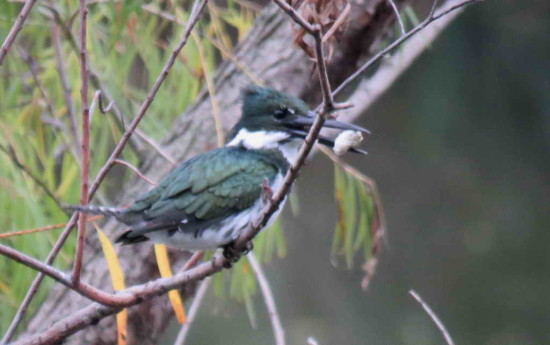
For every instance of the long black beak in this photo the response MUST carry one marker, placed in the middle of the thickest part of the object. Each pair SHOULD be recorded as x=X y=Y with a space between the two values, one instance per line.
x=300 y=126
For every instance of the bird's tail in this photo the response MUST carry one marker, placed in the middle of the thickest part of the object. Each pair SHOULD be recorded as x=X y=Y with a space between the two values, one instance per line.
x=94 y=209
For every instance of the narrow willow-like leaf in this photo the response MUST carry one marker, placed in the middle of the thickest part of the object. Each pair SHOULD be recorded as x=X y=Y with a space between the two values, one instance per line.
x=339 y=188
x=117 y=277
x=350 y=215
x=163 y=262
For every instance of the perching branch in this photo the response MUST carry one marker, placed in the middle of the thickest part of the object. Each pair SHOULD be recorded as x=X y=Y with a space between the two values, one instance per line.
x=17 y=26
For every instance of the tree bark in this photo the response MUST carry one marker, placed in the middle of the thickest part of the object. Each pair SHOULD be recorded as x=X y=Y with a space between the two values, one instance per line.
x=270 y=55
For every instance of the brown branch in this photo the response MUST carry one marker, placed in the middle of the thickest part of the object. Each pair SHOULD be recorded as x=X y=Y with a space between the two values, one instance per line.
x=136 y=171
x=79 y=287
x=17 y=26
x=433 y=316
x=269 y=300
x=85 y=146
x=154 y=145
x=328 y=101
x=295 y=16
x=38 y=280
x=197 y=300
x=193 y=19
x=132 y=296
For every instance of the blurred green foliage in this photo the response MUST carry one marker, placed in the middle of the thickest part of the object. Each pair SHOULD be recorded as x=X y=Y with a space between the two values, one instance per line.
x=128 y=46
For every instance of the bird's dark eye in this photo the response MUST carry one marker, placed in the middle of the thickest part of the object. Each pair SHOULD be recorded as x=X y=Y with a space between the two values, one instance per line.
x=282 y=113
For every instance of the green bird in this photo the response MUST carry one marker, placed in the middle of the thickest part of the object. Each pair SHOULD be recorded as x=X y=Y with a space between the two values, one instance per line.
x=209 y=199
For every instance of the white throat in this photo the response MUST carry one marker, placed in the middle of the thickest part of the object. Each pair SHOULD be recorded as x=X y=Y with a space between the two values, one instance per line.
x=265 y=140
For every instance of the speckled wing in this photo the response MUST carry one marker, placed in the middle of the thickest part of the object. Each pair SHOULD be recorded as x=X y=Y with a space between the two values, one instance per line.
x=206 y=188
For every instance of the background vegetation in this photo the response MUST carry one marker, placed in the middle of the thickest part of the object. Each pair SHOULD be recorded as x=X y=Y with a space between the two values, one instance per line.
x=458 y=150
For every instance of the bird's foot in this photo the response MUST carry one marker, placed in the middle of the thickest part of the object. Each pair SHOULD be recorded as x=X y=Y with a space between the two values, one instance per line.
x=233 y=255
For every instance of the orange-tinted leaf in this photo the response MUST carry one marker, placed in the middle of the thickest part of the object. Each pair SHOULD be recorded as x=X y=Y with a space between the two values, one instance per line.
x=163 y=263
x=117 y=277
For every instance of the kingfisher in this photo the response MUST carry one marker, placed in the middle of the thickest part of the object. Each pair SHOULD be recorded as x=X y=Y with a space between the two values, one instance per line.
x=208 y=200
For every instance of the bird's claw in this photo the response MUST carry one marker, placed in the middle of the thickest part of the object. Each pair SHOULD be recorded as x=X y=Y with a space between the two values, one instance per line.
x=233 y=255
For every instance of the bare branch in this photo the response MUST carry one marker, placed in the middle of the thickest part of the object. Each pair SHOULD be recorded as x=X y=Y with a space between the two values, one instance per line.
x=328 y=101
x=433 y=316
x=295 y=16
x=430 y=19
x=269 y=300
x=197 y=10
x=79 y=287
x=41 y=229
x=21 y=166
x=17 y=26
x=85 y=146
x=131 y=296
x=136 y=171
x=370 y=89
x=397 y=16
x=197 y=300
x=155 y=146
x=38 y=280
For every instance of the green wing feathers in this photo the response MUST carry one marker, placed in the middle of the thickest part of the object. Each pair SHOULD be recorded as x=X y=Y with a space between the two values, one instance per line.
x=210 y=186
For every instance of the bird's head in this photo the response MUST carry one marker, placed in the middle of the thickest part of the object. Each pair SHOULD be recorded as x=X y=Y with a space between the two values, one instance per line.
x=271 y=118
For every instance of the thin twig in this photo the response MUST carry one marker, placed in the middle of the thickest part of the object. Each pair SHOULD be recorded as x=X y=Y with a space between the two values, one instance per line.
x=269 y=300
x=328 y=101
x=296 y=17
x=155 y=146
x=85 y=148
x=136 y=171
x=42 y=229
x=197 y=300
x=220 y=136
x=17 y=26
x=397 y=16
x=430 y=19
x=62 y=71
x=21 y=166
x=433 y=316
x=33 y=68
x=197 y=10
